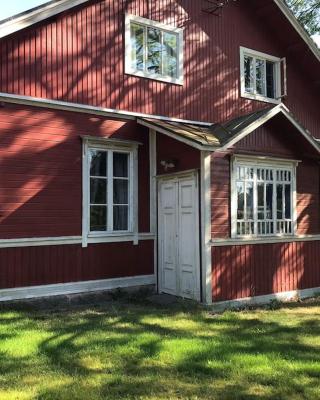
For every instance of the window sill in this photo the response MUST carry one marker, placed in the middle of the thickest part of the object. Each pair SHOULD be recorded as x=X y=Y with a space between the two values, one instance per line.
x=115 y=238
x=263 y=240
x=260 y=98
x=174 y=81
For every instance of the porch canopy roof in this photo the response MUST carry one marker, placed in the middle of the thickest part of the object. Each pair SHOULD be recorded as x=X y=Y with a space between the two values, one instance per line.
x=220 y=137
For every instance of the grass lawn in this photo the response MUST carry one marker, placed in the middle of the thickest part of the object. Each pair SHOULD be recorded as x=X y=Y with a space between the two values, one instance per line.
x=136 y=350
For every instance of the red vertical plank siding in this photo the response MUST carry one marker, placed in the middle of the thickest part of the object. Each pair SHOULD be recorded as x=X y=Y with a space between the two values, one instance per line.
x=262 y=269
x=32 y=266
x=41 y=155
x=84 y=53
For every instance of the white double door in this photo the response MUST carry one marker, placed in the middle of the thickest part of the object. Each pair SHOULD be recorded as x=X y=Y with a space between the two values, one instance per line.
x=178 y=226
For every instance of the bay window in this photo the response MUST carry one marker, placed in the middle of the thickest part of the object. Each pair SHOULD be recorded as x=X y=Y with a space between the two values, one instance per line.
x=263 y=196
x=153 y=50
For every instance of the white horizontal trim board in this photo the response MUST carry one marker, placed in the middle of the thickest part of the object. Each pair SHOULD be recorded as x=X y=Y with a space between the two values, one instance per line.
x=67 y=240
x=265 y=299
x=86 y=109
x=264 y=240
x=75 y=287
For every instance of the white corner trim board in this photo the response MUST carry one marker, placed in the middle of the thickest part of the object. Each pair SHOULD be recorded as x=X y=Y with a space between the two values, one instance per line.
x=68 y=240
x=265 y=299
x=74 y=287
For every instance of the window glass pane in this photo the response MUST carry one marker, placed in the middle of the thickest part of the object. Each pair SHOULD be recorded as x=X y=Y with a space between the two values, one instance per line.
x=240 y=193
x=248 y=74
x=270 y=67
x=120 y=191
x=269 y=201
x=120 y=165
x=98 y=218
x=137 y=46
x=279 y=202
x=120 y=218
x=169 y=54
x=98 y=191
x=154 y=51
x=249 y=198
x=288 y=201
x=98 y=164
x=260 y=200
x=260 y=78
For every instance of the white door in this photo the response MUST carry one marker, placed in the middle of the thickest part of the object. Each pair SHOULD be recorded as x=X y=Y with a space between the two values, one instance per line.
x=178 y=219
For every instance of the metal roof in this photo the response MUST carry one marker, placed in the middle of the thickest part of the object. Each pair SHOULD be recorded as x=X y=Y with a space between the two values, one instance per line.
x=225 y=135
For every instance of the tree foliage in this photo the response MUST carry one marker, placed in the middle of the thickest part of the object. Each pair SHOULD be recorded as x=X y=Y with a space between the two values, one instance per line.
x=308 y=13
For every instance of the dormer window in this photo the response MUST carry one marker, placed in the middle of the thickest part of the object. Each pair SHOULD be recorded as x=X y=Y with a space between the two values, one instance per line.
x=261 y=76
x=154 y=50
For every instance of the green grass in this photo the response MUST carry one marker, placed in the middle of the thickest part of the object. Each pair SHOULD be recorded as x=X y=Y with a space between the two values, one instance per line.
x=124 y=350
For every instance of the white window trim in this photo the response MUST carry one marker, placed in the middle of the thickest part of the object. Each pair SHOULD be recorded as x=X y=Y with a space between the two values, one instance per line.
x=263 y=162
x=128 y=49
x=130 y=147
x=245 y=51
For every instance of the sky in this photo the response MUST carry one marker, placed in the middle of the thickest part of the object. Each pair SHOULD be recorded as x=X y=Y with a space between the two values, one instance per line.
x=12 y=7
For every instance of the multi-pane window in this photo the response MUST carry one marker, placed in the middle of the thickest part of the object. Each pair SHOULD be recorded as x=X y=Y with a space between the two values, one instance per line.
x=263 y=200
x=260 y=76
x=153 y=50
x=109 y=190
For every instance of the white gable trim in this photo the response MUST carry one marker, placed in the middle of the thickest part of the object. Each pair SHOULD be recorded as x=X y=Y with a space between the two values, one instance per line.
x=281 y=108
x=24 y=20
x=298 y=27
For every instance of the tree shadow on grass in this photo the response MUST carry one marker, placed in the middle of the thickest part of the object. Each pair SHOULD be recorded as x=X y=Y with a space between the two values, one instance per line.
x=134 y=351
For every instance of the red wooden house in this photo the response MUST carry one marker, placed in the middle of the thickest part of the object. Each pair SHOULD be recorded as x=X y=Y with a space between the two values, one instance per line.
x=171 y=143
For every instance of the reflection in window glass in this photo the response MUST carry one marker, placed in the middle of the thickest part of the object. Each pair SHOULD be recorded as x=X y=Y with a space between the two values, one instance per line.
x=249 y=74
x=154 y=51
x=98 y=218
x=137 y=46
x=260 y=77
x=98 y=164
x=240 y=193
x=170 y=54
x=249 y=200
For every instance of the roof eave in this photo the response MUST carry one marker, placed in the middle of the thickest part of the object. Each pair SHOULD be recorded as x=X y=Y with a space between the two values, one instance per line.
x=22 y=21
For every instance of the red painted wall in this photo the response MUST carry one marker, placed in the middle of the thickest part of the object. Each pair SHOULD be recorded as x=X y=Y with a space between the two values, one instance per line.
x=32 y=266
x=41 y=169
x=254 y=270
x=181 y=155
x=277 y=138
x=78 y=56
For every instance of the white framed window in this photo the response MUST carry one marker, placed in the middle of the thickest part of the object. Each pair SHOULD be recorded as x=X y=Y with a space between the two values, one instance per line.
x=261 y=77
x=153 y=50
x=109 y=187
x=263 y=198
